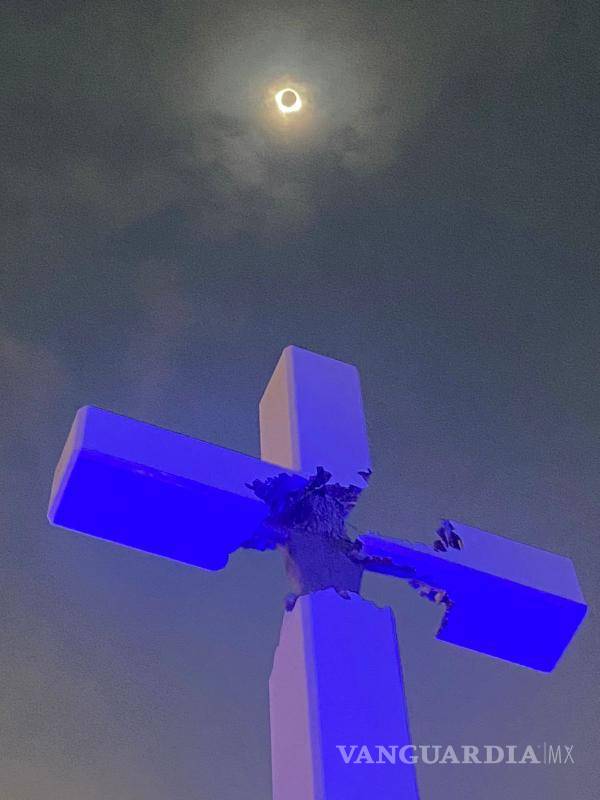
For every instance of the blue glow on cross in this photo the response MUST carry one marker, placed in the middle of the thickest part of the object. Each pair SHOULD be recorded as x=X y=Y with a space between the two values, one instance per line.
x=508 y=600
x=181 y=498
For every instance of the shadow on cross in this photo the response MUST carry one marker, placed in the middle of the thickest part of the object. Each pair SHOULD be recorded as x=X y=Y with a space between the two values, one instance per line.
x=307 y=521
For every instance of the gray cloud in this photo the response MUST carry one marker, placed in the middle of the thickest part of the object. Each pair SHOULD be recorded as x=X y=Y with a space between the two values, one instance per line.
x=33 y=381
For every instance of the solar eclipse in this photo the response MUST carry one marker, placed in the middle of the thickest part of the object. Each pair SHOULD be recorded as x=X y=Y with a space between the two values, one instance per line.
x=288 y=101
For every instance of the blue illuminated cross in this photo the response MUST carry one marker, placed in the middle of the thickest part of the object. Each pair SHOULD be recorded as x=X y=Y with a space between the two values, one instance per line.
x=178 y=497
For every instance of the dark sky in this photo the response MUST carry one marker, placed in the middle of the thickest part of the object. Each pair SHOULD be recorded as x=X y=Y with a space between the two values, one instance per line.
x=435 y=222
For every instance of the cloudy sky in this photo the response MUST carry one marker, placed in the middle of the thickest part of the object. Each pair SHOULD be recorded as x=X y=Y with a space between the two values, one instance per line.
x=433 y=219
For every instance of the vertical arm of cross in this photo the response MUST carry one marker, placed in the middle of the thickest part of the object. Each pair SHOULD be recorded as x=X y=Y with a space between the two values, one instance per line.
x=336 y=679
x=311 y=415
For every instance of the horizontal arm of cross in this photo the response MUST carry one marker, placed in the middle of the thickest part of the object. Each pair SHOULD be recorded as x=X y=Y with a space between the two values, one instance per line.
x=506 y=599
x=154 y=490
x=179 y=497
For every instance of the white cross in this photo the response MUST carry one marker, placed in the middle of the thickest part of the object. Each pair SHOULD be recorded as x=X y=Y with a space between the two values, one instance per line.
x=337 y=680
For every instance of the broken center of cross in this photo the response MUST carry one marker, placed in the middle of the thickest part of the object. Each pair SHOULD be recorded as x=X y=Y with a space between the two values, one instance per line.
x=307 y=522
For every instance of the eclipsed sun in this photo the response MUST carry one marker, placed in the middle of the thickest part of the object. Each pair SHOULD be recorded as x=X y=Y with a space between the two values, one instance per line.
x=288 y=101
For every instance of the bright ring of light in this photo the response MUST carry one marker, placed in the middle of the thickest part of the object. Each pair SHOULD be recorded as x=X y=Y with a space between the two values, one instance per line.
x=288 y=100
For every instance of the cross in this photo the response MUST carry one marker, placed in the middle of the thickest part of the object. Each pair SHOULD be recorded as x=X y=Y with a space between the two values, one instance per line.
x=336 y=690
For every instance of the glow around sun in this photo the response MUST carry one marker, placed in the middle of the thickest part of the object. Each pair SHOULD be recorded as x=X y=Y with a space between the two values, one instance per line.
x=288 y=101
